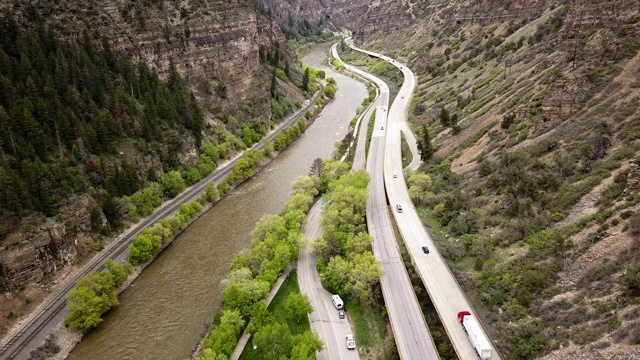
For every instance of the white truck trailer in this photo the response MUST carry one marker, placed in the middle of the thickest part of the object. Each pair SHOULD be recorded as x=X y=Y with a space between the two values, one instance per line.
x=475 y=334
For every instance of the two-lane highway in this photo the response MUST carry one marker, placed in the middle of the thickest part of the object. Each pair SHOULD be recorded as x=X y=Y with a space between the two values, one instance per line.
x=324 y=319
x=444 y=291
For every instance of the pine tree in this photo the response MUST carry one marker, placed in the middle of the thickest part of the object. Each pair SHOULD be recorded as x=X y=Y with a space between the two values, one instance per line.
x=424 y=145
x=444 y=117
x=305 y=80
x=273 y=83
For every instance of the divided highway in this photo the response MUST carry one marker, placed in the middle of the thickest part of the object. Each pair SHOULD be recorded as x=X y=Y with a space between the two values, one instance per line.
x=33 y=331
x=410 y=330
x=444 y=291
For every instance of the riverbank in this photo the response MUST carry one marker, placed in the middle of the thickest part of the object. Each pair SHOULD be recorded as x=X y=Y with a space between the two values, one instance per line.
x=68 y=341
x=164 y=314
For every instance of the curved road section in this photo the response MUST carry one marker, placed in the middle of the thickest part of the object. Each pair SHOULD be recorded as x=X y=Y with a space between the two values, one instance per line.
x=445 y=292
x=324 y=319
x=33 y=331
x=410 y=330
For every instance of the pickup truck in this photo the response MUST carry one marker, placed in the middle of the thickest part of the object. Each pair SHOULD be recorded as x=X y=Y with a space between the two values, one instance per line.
x=351 y=342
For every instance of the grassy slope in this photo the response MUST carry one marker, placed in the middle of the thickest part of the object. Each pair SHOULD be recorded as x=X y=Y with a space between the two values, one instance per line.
x=498 y=249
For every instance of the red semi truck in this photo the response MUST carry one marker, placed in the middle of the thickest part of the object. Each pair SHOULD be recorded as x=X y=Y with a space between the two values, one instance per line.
x=476 y=335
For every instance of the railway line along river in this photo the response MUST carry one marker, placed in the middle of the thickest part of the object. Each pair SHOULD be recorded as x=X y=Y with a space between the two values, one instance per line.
x=164 y=313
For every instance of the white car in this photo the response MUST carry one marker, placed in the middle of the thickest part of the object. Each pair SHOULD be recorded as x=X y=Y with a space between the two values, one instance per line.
x=351 y=342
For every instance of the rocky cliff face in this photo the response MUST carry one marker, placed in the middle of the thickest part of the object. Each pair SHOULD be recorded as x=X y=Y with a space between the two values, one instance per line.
x=363 y=17
x=340 y=12
x=213 y=44
x=215 y=40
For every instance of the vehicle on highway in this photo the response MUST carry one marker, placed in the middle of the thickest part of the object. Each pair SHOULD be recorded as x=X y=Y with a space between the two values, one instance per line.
x=337 y=302
x=425 y=249
x=475 y=334
x=395 y=176
x=351 y=342
x=341 y=314
x=399 y=208
x=382 y=128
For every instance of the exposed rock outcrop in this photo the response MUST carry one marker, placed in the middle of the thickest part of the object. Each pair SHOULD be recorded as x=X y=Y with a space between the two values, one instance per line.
x=44 y=246
x=213 y=42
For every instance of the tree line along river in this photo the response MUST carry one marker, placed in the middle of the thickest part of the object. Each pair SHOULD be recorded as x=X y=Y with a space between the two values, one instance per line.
x=165 y=313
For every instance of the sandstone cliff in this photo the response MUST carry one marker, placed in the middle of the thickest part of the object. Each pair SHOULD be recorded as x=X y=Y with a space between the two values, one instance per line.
x=213 y=44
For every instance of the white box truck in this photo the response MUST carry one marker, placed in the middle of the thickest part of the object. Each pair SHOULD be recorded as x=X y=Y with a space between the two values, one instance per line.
x=475 y=334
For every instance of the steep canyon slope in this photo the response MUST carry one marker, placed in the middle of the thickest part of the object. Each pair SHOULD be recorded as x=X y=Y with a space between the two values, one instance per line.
x=221 y=54
x=534 y=110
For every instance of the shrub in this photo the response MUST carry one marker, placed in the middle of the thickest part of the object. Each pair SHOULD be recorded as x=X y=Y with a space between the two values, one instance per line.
x=329 y=91
x=210 y=194
x=117 y=271
x=557 y=216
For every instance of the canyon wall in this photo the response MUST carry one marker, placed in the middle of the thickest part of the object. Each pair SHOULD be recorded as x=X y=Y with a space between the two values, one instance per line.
x=215 y=42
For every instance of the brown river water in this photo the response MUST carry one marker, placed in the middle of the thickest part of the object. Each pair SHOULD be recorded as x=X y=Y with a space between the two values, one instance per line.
x=164 y=314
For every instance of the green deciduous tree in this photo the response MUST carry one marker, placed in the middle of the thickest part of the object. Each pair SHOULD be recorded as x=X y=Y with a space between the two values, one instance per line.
x=84 y=308
x=336 y=276
x=299 y=201
x=305 y=346
x=118 y=272
x=223 y=338
x=93 y=296
x=172 y=183
x=357 y=244
x=274 y=341
x=332 y=170
x=268 y=148
x=143 y=247
x=420 y=187
x=260 y=317
x=298 y=306
x=145 y=200
x=210 y=194
x=364 y=273
x=242 y=291
x=209 y=354
x=306 y=185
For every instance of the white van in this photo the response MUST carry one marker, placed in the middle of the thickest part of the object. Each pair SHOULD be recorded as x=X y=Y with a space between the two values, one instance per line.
x=337 y=302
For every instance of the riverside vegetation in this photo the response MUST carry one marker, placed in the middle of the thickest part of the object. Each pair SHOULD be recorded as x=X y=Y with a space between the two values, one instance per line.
x=66 y=108
x=86 y=304
x=81 y=125
x=275 y=243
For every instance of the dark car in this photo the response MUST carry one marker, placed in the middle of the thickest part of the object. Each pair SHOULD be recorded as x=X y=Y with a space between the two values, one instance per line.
x=425 y=249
